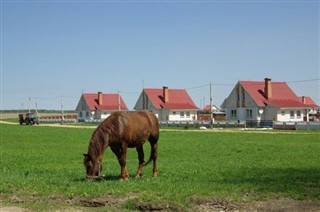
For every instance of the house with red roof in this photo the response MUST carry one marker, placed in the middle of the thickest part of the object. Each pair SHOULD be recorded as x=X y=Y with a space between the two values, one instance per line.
x=99 y=106
x=266 y=101
x=217 y=114
x=168 y=104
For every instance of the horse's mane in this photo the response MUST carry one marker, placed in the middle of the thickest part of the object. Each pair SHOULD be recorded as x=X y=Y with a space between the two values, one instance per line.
x=105 y=132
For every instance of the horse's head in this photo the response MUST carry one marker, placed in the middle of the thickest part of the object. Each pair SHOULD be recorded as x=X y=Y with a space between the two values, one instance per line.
x=93 y=167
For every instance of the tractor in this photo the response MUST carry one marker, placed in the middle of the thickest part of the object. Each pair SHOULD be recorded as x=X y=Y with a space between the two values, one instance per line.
x=28 y=118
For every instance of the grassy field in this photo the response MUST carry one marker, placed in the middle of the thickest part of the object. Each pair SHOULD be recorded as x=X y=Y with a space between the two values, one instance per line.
x=41 y=169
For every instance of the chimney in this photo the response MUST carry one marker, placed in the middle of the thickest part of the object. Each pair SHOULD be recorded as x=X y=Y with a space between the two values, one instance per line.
x=100 y=101
x=267 y=88
x=165 y=94
x=303 y=99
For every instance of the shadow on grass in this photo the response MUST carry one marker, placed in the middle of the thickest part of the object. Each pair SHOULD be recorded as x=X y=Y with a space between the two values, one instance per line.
x=100 y=179
x=298 y=181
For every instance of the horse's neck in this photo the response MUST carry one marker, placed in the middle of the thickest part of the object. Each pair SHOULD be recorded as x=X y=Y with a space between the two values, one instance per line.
x=98 y=145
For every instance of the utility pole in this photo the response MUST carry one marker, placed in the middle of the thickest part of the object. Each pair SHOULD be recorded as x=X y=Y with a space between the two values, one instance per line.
x=62 y=116
x=36 y=109
x=29 y=103
x=211 y=118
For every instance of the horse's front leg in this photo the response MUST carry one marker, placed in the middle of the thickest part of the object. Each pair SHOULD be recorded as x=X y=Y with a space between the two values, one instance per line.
x=123 y=161
x=141 y=160
x=121 y=152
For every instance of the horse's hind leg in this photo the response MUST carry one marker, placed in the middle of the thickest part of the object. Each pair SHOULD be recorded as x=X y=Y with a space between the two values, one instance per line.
x=141 y=160
x=154 y=155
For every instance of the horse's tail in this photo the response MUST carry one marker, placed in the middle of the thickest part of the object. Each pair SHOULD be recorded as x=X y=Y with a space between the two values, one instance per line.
x=153 y=152
x=150 y=159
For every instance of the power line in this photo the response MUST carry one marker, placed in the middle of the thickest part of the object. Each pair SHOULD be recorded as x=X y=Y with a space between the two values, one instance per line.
x=129 y=92
x=200 y=86
x=207 y=85
x=300 y=81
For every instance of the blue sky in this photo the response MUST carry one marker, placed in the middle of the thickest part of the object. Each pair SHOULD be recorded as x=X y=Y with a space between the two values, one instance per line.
x=60 y=48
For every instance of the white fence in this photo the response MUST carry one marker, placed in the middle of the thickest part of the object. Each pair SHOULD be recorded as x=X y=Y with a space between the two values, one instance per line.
x=247 y=124
x=297 y=125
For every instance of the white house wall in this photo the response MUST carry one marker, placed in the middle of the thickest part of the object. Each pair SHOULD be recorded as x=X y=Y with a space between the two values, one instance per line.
x=181 y=115
x=231 y=103
x=85 y=115
x=270 y=113
x=82 y=105
x=144 y=103
x=284 y=115
x=163 y=114
x=102 y=114
x=139 y=104
x=83 y=110
x=168 y=115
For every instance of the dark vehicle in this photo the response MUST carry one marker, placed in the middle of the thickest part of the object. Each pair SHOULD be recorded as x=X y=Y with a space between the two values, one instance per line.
x=28 y=118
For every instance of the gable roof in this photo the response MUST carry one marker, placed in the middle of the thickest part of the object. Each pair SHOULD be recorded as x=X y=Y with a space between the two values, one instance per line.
x=109 y=102
x=282 y=95
x=207 y=108
x=178 y=99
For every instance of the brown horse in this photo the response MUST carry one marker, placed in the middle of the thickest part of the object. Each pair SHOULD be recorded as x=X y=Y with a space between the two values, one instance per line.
x=120 y=131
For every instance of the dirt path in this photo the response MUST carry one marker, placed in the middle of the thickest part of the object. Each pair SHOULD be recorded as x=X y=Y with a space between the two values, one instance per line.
x=238 y=130
x=51 y=125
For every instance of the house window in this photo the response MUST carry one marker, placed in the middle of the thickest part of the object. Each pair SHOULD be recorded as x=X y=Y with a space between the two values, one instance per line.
x=188 y=114
x=233 y=113
x=298 y=114
x=80 y=114
x=181 y=114
x=87 y=113
x=283 y=113
x=249 y=113
x=292 y=114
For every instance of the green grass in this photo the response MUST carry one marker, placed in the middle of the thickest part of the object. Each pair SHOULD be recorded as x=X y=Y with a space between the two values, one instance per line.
x=41 y=168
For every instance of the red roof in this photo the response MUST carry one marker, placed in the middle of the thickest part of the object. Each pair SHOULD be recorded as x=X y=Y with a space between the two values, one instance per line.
x=308 y=101
x=286 y=103
x=109 y=102
x=178 y=99
x=207 y=108
x=282 y=95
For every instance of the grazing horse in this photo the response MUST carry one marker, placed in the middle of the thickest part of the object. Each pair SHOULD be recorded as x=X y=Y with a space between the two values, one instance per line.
x=120 y=131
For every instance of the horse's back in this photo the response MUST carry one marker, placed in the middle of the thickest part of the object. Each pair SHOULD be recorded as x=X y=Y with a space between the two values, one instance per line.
x=137 y=122
x=144 y=120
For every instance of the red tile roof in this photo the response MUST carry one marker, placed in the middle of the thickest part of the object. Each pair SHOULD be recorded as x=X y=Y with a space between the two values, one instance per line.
x=308 y=101
x=286 y=103
x=282 y=95
x=207 y=108
x=178 y=99
x=109 y=102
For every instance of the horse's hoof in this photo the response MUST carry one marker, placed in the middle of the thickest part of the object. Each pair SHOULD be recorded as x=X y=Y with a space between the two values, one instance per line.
x=124 y=179
x=138 y=175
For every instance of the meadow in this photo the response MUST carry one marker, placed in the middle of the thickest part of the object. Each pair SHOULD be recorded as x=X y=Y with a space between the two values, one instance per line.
x=42 y=169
